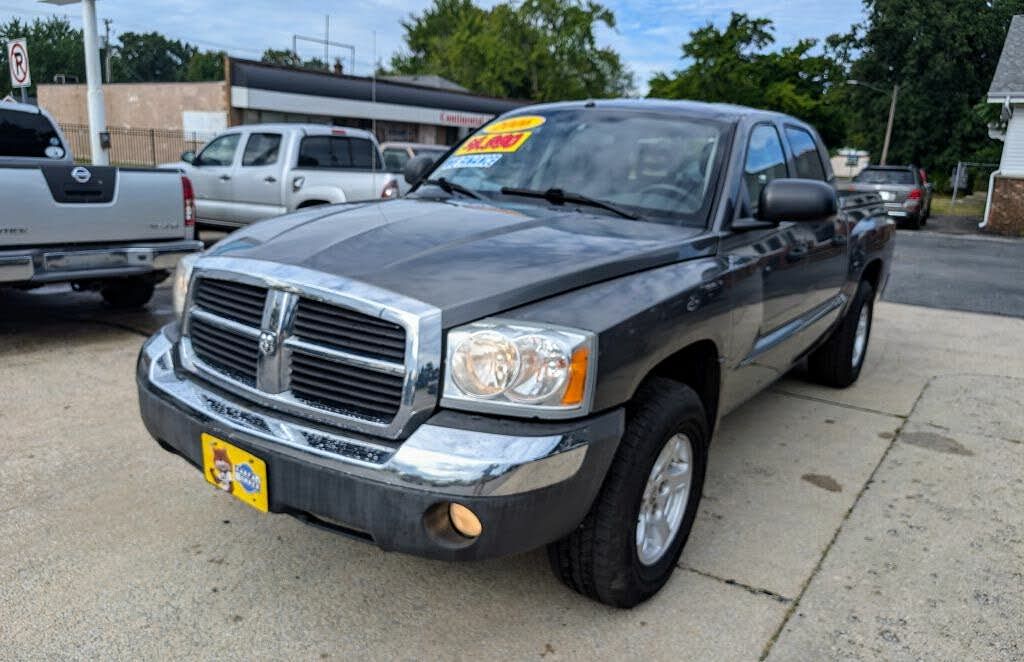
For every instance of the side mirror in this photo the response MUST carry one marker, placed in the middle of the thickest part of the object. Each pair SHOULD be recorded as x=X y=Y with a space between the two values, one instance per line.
x=189 y=157
x=796 y=200
x=416 y=168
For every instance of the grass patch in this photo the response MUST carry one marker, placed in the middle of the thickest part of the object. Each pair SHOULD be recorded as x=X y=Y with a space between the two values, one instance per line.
x=971 y=206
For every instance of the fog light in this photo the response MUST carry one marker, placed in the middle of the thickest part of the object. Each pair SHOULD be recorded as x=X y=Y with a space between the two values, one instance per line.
x=465 y=520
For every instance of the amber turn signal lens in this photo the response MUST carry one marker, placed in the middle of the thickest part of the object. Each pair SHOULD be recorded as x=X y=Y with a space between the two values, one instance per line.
x=465 y=520
x=577 y=377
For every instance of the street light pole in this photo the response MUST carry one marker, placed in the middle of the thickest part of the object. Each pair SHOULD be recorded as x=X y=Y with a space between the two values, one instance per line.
x=892 y=112
x=888 y=128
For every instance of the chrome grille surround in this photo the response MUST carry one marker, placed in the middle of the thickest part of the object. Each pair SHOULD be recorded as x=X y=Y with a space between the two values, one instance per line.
x=286 y=284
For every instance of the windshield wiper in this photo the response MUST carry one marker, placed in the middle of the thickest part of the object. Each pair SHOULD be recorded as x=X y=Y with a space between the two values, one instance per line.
x=451 y=187
x=559 y=197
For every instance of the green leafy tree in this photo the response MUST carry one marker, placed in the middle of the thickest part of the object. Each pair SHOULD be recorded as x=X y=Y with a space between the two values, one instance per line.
x=733 y=65
x=286 y=58
x=54 y=46
x=534 y=49
x=150 y=56
x=206 y=65
x=943 y=54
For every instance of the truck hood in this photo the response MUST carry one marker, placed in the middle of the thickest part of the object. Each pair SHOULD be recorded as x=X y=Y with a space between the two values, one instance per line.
x=467 y=258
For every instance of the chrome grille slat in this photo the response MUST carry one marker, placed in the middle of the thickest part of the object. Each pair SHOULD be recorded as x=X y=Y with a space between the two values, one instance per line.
x=313 y=368
x=231 y=352
x=348 y=331
x=236 y=301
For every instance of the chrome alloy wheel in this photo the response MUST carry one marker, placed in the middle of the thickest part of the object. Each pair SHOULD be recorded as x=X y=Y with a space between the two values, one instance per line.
x=664 y=501
x=860 y=338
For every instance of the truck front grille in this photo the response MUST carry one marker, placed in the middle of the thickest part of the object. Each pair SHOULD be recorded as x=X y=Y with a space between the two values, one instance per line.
x=299 y=354
x=227 y=351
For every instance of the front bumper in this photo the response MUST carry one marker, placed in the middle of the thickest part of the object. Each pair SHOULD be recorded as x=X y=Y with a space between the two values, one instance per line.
x=529 y=483
x=56 y=265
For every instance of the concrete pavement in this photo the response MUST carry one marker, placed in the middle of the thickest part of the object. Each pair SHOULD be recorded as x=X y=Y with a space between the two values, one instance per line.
x=883 y=521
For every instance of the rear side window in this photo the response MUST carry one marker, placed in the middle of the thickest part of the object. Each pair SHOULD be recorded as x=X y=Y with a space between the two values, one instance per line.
x=28 y=135
x=261 y=149
x=805 y=150
x=395 y=159
x=337 y=152
x=765 y=161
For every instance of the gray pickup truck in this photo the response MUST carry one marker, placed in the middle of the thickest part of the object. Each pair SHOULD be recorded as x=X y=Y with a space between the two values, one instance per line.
x=116 y=230
x=534 y=347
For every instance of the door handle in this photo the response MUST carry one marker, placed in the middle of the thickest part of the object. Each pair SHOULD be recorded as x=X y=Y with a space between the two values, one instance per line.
x=270 y=179
x=225 y=178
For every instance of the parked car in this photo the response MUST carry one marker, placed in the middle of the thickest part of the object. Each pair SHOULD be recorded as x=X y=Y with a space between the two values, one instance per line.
x=904 y=189
x=116 y=230
x=534 y=347
x=397 y=154
x=256 y=171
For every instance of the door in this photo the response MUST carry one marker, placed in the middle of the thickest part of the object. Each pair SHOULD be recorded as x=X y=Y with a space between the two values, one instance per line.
x=211 y=179
x=771 y=260
x=824 y=239
x=257 y=188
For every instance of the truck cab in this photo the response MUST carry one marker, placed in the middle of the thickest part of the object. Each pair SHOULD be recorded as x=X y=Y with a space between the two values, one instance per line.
x=258 y=171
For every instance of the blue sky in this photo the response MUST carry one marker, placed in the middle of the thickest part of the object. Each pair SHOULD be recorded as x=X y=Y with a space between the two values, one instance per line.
x=648 y=34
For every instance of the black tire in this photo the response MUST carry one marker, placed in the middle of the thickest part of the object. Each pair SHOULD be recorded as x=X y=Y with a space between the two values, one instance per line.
x=832 y=364
x=914 y=222
x=600 y=559
x=126 y=293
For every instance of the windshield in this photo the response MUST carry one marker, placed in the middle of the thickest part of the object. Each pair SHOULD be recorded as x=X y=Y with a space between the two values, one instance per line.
x=885 y=177
x=659 y=167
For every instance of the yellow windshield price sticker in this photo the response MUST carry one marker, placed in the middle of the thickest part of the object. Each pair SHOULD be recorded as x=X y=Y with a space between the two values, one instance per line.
x=521 y=123
x=494 y=143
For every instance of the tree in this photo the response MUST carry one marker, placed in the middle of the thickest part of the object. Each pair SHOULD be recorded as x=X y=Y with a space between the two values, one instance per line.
x=150 y=56
x=286 y=58
x=536 y=49
x=731 y=65
x=54 y=46
x=206 y=65
x=943 y=54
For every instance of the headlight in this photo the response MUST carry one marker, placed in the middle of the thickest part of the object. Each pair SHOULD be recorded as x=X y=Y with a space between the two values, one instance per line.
x=182 y=276
x=500 y=366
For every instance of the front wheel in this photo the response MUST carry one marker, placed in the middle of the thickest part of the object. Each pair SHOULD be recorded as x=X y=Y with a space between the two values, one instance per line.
x=838 y=362
x=630 y=541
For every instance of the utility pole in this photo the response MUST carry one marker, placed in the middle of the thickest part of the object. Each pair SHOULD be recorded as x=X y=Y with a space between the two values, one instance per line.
x=106 y=52
x=888 y=128
x=327 y=37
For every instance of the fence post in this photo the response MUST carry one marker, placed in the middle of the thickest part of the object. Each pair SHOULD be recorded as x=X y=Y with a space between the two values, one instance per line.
x=152 y=145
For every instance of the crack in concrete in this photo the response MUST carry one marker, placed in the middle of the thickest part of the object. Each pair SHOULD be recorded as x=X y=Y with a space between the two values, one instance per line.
x=778 y=597
x=866 y=410
x=846 y=516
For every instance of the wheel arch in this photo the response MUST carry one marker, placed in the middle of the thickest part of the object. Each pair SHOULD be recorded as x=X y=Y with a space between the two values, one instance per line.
x=698 y=366
x=872 y=273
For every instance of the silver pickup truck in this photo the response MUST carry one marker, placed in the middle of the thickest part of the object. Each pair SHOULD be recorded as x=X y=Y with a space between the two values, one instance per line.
x=116 y=230
x=257 y=171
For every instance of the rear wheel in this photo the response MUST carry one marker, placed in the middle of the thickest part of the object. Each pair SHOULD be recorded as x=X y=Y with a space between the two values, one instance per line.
x=838 y=362
x=629 y=543
x=128 y=292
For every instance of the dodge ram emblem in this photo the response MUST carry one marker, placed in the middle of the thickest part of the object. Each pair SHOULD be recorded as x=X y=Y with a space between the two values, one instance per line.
x=268 y=343
x=81 y=175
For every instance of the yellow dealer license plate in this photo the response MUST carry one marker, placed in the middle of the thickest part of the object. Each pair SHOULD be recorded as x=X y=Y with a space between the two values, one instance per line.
x=237 y=472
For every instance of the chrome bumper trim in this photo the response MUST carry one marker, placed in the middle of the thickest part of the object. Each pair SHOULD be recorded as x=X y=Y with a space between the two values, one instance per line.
x=433 y=458
x=53 y=265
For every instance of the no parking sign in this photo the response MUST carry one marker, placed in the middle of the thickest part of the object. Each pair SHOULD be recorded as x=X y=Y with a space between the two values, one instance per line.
x=17 y=59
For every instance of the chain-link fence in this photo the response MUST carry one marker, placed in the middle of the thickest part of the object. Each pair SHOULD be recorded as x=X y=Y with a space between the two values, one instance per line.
x=135 y=147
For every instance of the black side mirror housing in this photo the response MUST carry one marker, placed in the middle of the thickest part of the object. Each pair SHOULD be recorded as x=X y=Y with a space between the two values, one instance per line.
x=417 y=167
x=189 y=157
x=796 y=200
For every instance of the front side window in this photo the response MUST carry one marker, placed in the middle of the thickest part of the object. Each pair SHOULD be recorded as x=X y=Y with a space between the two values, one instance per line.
x=28 y=135
x=337 y=152
x=765 y=162
x=261 y=149
x=805 y=152
x=220 y=152
x=661 y=167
